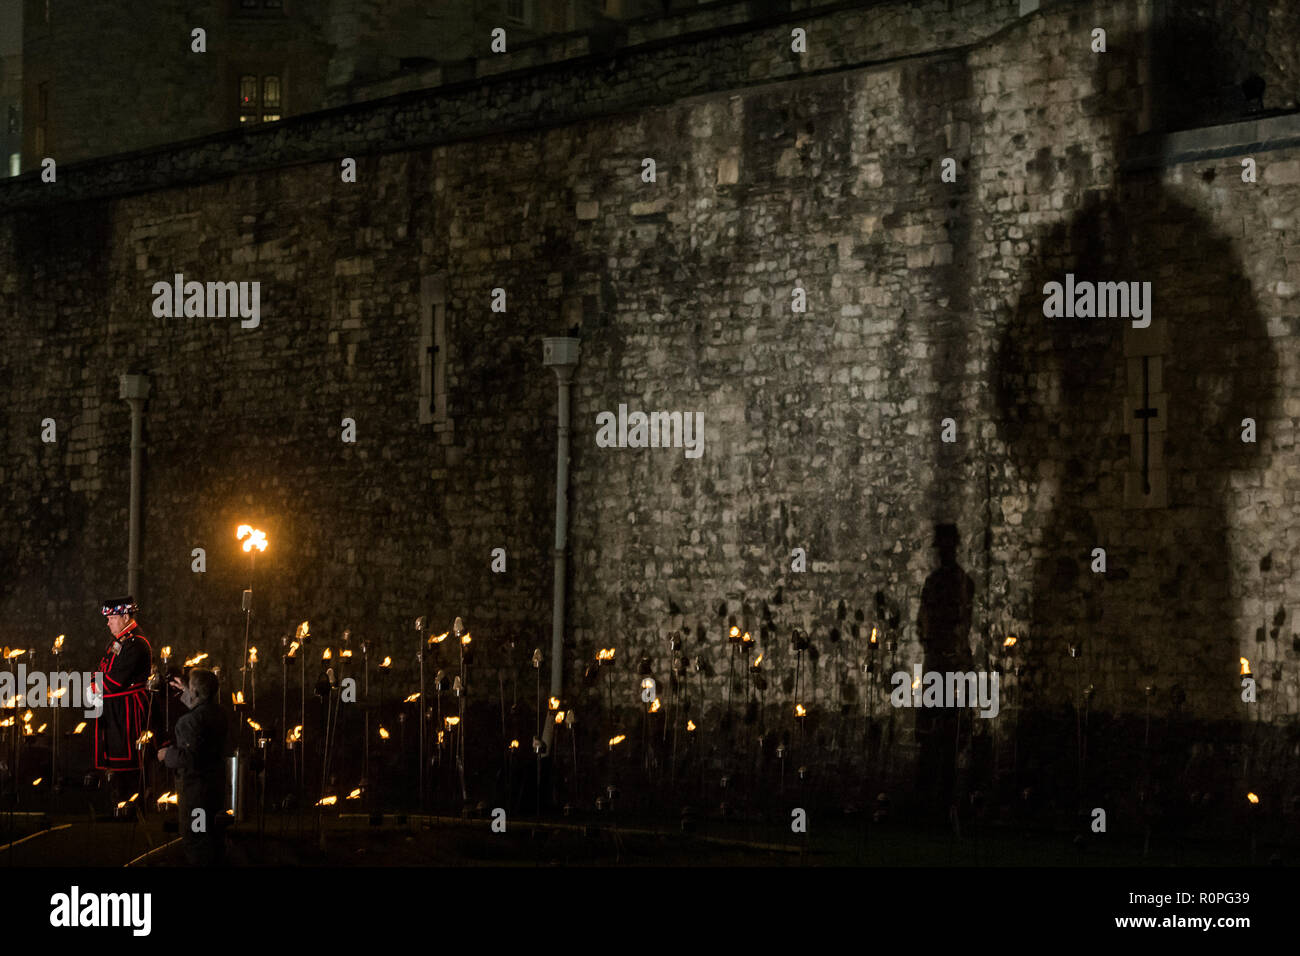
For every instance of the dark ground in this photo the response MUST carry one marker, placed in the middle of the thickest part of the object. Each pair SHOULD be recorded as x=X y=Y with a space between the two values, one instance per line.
x=345 y=839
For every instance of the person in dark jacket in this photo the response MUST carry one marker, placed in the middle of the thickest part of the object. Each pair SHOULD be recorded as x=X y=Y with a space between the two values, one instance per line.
x=198 y=752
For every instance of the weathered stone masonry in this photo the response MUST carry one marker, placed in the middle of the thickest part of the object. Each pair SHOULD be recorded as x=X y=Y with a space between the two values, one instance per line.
x=774 y=171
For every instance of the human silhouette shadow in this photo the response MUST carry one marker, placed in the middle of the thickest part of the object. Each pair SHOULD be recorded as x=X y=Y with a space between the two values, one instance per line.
x=1157 y=628
x=943 y=627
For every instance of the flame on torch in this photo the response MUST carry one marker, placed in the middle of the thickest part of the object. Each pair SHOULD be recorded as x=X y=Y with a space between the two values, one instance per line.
x=1245 y=667
x=606 y=654
x=327 y=801
x=58 y=644
x=386 y=662
x=166 y=653
x=655 y=705
x=413 y=698
x=254 y=724
x=256 y=539
x=1009 y=642
x=799 y=711
x=1253 y=798
x=615 y=741
x=554 y=703
x=383 y=733
x=355 y=794
x=295 y=735
x=237 y=697
x=559 y=717
x=451 y=721
x=78 y=729
x=438 y=638
x=690 y=725
x=326 y=654
x=197 y=659
x=252 y=655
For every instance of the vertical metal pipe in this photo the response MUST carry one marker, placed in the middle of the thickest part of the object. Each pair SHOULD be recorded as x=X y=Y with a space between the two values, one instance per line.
x=565 y=376
x=561 y=355
x=135 y=390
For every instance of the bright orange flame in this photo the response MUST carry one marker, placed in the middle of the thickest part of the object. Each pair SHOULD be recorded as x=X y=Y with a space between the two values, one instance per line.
x=254 y=724
x=252 y=655
x=197 y=659
x=304 y=630
x=452 y=721
x=758 y=660
x=293 y=648
x=326 y=654
x=56 y=694
x=465 y=638
x=383 y=733
x=168 y=797
x=438 y=638
x=9 y=722
x=15 y=652
x=237 y=697
x=615 y=741
x=79 y=728
x=607 y=654
x=734 y=632
x=799 y=711
x=355 y=794
x=559 y=716
x=655 y=705
x=58 y=643
x=295 y=735
x=166 y=653
x=37 y=781
x=514 y=745
x=1009 y=642
x=554 y=703
x=873 y=635
x=1253 y=798
x=386 y=662
x=41 y=728
x=1245 y=667
x=690 y=725
x=327 y=801
x=144 y=738
x=256 y=539
x=345 y=653
x=413 y=698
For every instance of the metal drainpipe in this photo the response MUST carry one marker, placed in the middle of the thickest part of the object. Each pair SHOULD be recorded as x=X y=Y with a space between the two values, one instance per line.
x=561 y=354
x=135 y=389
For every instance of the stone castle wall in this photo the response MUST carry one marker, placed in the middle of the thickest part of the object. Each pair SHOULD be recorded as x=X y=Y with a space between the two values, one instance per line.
x=822 y=429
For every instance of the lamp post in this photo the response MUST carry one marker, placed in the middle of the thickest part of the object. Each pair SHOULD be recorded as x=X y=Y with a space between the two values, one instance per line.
x=254 y=541
x=560 y=354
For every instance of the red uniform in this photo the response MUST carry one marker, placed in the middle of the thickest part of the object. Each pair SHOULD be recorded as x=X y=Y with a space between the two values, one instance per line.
x=126 y=666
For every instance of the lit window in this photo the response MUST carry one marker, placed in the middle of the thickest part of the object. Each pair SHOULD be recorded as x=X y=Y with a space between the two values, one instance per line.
x=270 y=117
x=15 y=163
x=248 y=92
x=271 y=93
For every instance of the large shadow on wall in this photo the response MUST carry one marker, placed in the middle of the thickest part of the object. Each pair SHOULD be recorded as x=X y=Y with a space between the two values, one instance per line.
x=1144 y=710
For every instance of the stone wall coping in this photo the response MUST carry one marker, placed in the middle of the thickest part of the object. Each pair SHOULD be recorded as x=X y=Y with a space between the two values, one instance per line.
x=1257 y=135
x=460 y=110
